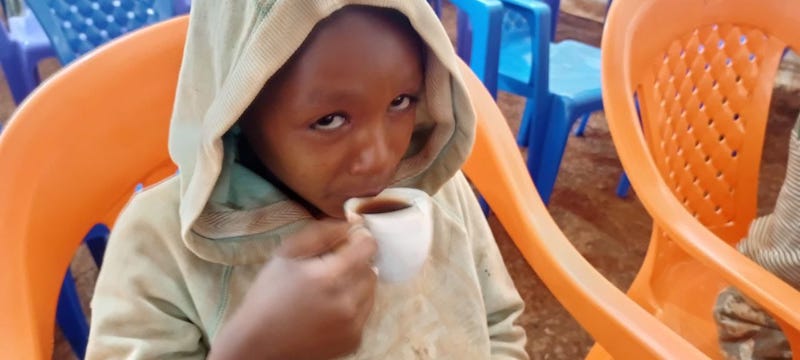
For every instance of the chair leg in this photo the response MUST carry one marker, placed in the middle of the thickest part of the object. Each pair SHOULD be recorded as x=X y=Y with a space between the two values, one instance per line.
x=96 y=241
x=70 y=317
x=437 y=7
x=464 y=36
x=484 y=205
x=623 y=186
x=525 y=125
x=582 y=126
x=552 y=150
x=535 y=125
x=21 y=79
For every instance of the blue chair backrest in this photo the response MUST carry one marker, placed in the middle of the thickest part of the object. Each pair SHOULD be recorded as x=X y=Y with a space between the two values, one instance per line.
x=75 y=27
x=514 y=22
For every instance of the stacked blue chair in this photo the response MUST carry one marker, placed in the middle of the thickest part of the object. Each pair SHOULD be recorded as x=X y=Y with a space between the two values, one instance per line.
x=76 y=27
x=560 y=80
x=23 y=44
x=486 y=15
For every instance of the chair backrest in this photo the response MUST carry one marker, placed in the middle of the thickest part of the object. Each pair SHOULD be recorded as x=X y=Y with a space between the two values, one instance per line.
x=81 y=142
x=513 y=21
x=479 y=24
x=704 y=82
x=75 y=27
x=703 y=74
x=74 y=151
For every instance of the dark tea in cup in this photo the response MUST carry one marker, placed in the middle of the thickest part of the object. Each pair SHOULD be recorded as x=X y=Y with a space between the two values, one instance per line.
x=382 y=205
x=401 y=221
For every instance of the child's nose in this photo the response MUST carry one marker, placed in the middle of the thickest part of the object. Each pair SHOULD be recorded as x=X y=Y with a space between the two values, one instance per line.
x=373 y=155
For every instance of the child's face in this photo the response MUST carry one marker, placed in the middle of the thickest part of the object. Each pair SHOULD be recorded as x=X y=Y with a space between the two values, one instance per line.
x=337 y=121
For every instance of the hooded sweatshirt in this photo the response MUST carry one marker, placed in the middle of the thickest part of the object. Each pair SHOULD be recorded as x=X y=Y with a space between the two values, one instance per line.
x=184 y=252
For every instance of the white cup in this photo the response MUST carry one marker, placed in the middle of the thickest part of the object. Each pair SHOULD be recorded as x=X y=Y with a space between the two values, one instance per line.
x=404 y=236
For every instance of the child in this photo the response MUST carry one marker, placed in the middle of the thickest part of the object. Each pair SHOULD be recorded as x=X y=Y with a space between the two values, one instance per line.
x=284 y=110
x=746 y=331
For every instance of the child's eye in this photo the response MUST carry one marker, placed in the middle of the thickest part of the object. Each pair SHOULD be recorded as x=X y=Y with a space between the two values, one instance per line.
x=402 y=102
x=329 y=122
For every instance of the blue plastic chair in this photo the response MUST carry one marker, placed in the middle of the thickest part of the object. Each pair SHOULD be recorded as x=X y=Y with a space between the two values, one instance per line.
x=69 y=314
x=624 y=184
x=181 y=7
x=485 y=15
x=76 y=27
x=22 y=46
x=561 y=80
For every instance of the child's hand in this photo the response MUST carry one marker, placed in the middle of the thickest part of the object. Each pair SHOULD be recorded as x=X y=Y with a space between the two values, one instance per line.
x=309 y=302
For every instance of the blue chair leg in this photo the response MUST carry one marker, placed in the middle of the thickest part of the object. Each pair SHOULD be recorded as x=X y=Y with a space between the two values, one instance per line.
x=96 y=241
x=552 y=150
x=582 y=126
x=437 y=7
x=484 y=206
x=534 y=127
x=70 y=317
x=464 y=38
x=528 y=116
x=21 y=83
x=623 y=186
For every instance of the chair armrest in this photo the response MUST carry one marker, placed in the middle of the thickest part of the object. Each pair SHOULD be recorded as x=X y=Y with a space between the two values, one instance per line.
x=615 y=321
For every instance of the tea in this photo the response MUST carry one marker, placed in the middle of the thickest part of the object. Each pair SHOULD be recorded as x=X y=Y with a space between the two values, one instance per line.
x=378 y=206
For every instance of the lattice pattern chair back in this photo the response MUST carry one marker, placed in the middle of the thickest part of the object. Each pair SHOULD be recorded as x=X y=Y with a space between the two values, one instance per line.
x=703 y=74
x=75 y=27
x=706 y=101
x=514 y=22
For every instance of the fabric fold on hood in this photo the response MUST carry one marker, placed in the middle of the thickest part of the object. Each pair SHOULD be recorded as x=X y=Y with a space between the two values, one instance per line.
x=232 y=49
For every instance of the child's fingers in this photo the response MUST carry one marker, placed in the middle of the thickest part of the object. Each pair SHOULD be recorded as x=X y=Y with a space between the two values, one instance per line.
x=357 y=254
x=315 y=239
x=364 y=288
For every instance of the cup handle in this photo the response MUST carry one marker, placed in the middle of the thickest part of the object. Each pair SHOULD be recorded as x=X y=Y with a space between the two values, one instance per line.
x=424 y=206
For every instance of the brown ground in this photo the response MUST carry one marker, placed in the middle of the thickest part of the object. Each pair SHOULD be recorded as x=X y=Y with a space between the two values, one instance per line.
x=612 y=233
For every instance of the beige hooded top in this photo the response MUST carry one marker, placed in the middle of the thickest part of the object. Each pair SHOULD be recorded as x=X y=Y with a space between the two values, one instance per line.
x=184 y=252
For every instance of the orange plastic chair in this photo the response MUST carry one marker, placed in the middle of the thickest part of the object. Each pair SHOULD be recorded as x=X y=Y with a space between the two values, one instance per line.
x=703 y=74
x=83 y=140
x=71 y=157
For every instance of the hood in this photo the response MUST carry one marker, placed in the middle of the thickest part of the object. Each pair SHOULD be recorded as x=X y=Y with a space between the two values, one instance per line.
x=228 y=214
